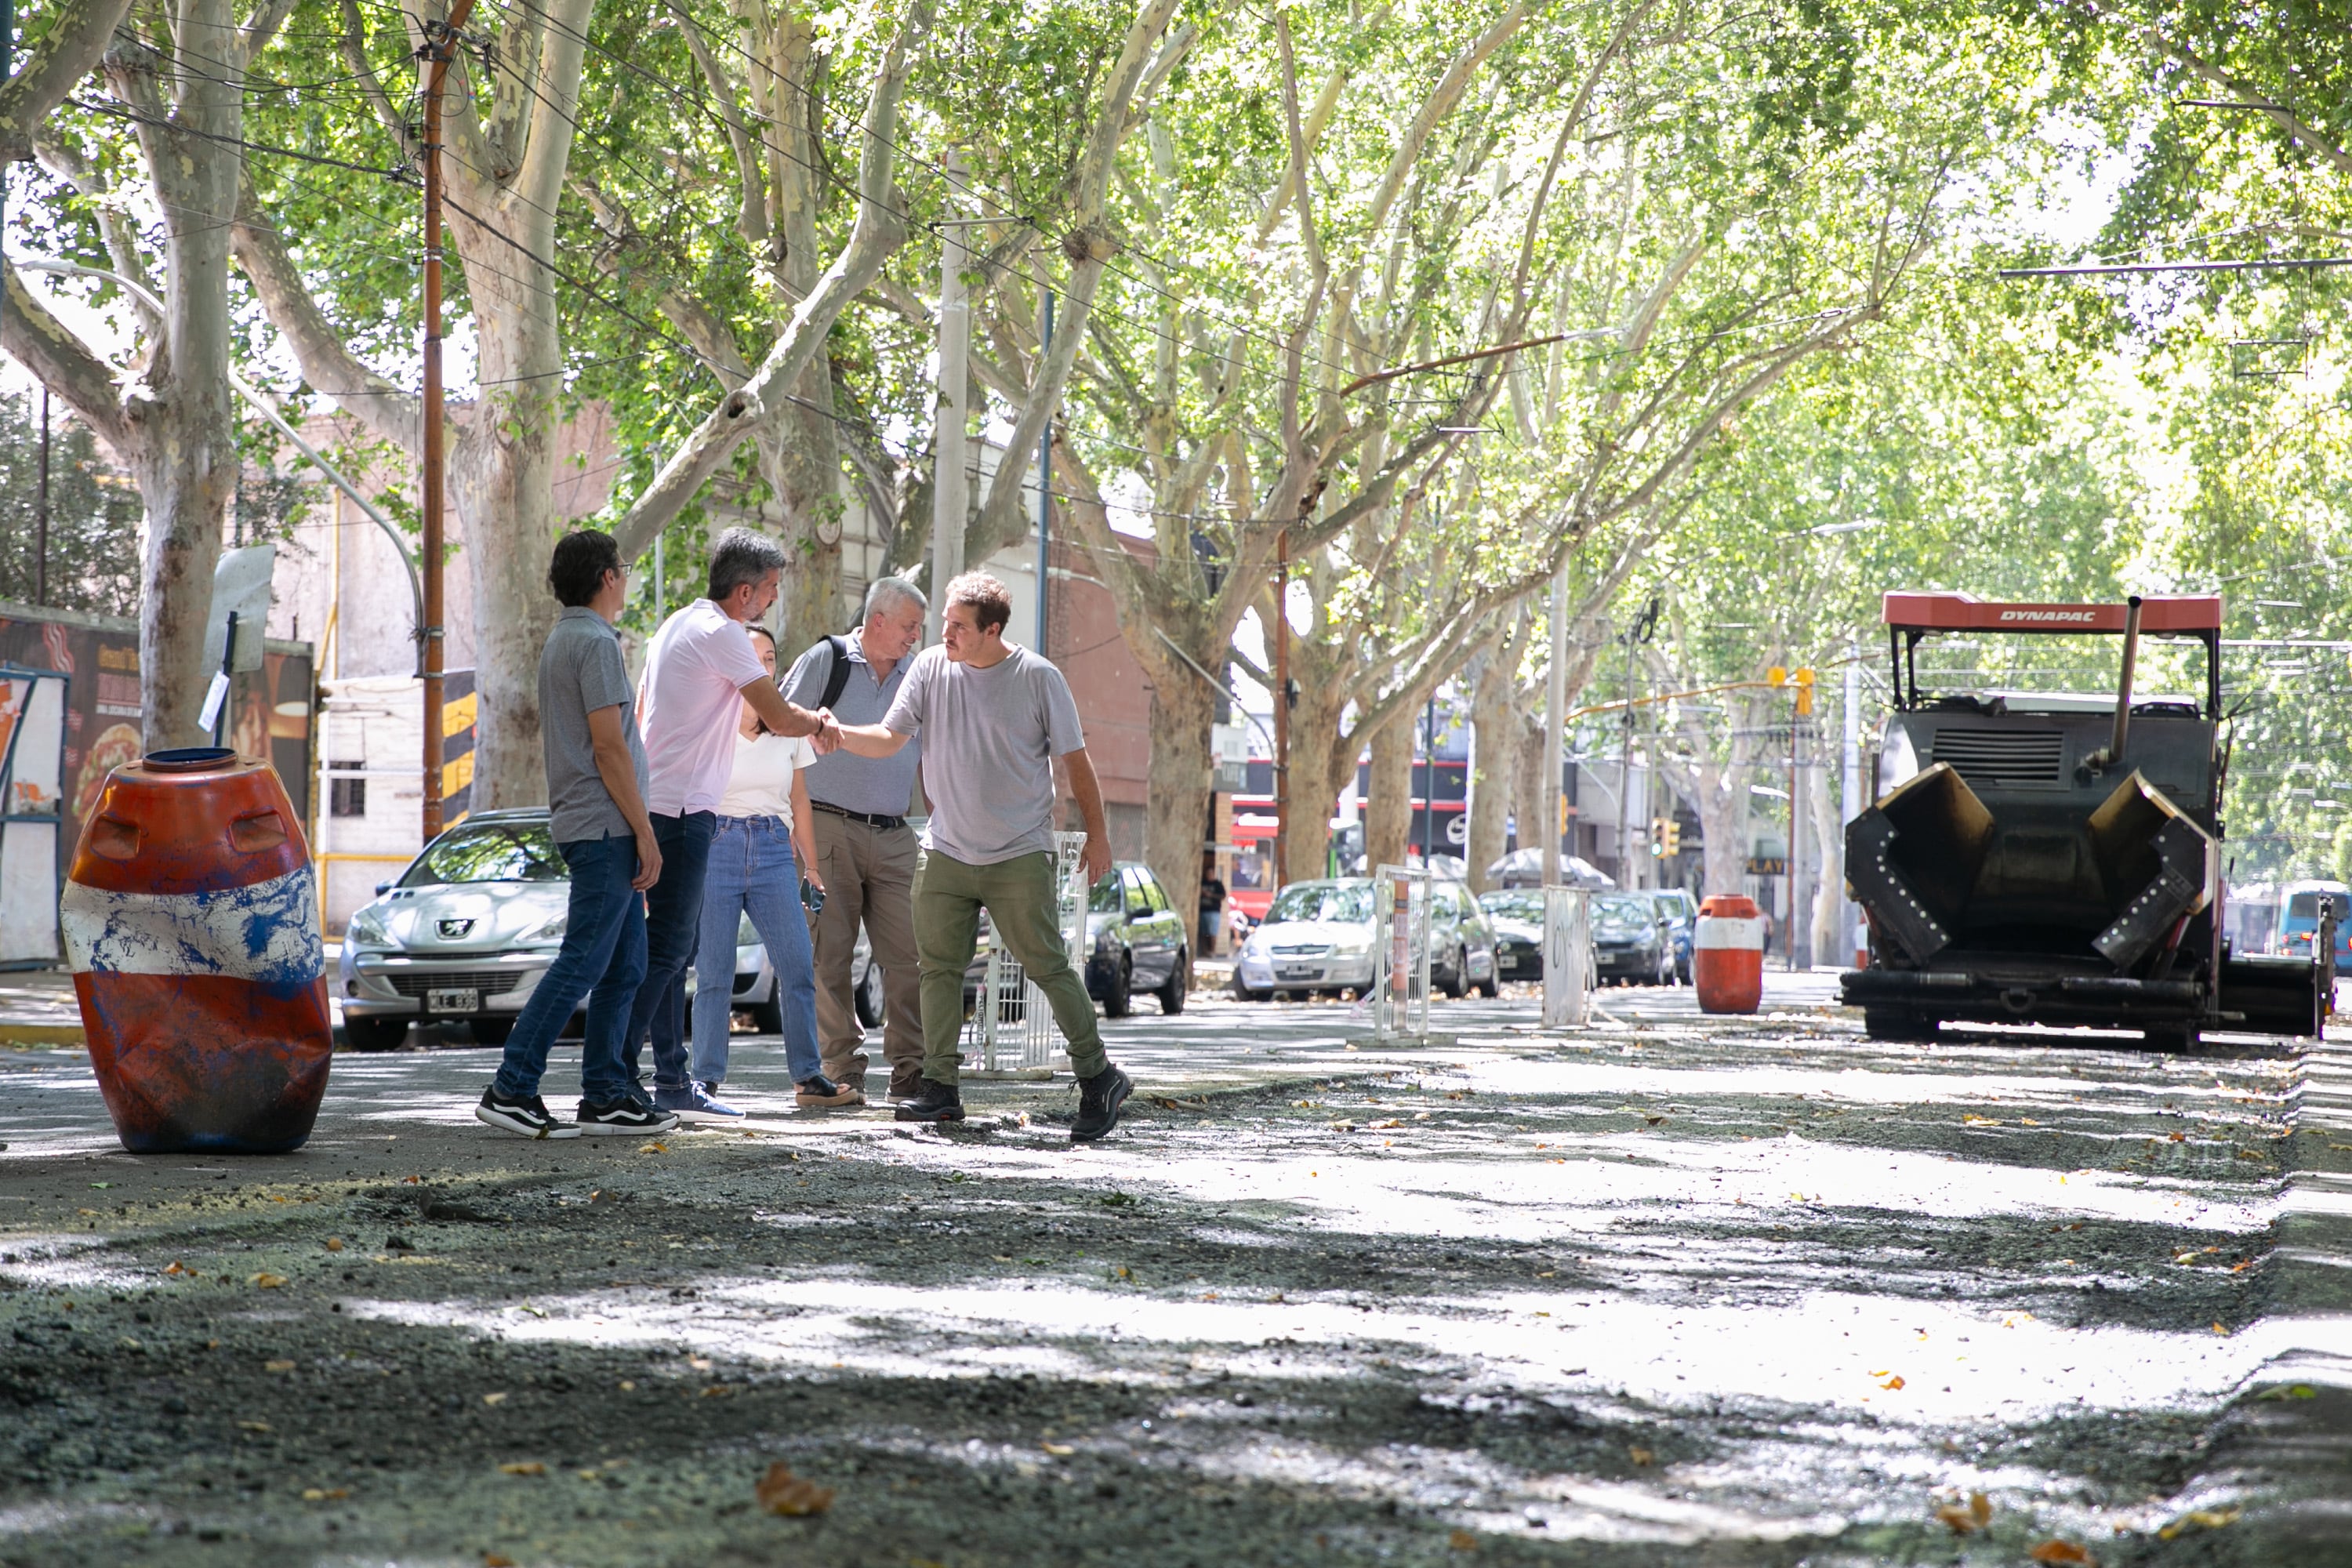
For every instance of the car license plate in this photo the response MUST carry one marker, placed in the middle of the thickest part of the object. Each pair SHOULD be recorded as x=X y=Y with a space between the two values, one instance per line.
x=1299 y=971
x=453 y=1000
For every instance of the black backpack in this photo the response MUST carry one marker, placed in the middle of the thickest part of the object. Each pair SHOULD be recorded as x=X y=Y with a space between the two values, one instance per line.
x=839 y=677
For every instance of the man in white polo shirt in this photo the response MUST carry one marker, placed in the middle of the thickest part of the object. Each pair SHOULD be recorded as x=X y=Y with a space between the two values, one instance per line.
x=699 y=669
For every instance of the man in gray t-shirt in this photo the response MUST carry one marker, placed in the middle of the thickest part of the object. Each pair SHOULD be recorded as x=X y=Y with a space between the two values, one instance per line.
x=993 y=717
x=597 y=814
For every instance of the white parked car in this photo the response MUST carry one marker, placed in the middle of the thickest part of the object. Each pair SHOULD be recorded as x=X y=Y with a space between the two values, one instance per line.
x=465 y=931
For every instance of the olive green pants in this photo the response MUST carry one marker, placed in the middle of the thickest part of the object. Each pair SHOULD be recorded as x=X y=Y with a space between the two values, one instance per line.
x=1024 y=913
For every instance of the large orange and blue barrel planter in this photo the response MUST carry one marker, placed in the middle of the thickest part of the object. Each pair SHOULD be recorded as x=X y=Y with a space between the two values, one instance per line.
x=191 y=920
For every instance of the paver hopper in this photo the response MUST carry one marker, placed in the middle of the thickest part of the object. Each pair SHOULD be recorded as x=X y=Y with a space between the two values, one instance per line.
x=2037 y=858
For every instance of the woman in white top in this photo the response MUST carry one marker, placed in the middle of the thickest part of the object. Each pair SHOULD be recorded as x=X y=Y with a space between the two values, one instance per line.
x=761 y=847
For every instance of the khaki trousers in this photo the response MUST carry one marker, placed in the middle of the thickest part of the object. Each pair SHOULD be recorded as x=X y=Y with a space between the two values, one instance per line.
x=1024 y=914
x=870 y=877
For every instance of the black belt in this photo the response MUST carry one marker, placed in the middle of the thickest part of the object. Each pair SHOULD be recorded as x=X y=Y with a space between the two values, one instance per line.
x=887 y=824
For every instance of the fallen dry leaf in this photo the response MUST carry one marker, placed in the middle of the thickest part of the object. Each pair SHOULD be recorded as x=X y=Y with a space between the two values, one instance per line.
x=179 y=1269
x=653 y=1148
x=497 y=1560
x=334 y=1244
x=267 y=1282
x=523 y=1468
x=278 y=1366
x=1896 y=1381
x=1968 y=1519
x=2198 y=1518
x=253 y=1425
x=2056 y=1551
x=782 y=1492
x=1059 y=1451
x=494 y=1399
x=325 y=1494
x=1642 y=1456
x=1978 y=1122
x=2221 y=1330
x=1462 y=1541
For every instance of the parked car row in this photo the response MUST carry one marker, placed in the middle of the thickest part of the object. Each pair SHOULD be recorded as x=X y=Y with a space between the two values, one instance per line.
x=1318 y=937
x=1640 y=938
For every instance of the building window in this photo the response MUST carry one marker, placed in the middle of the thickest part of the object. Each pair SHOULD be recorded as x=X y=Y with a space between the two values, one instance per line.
x=346 y=797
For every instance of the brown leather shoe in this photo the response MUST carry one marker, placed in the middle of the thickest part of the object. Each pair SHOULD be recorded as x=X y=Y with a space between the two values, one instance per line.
x=822 y=1092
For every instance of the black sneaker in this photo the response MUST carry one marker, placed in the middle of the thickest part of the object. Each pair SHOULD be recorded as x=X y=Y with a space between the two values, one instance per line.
x=616 y=1117
x=937 y=1102
x=523 y=1116
x=1099 y=1097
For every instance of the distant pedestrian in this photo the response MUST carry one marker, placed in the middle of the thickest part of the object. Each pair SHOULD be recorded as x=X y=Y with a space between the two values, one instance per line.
x=863 y=846
x=700 y=670
x=993 y=717
x=1212 y=906
x=760 y=850
x=596 y=813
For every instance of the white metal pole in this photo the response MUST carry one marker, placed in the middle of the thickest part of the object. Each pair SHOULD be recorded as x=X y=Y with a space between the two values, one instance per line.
x=1547 y=835
x=953 y=419
x=1853 y=801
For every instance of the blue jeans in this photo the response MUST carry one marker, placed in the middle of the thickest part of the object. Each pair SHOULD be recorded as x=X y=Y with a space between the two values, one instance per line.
x=672 y=929
x=602 y=958
x=752 y=868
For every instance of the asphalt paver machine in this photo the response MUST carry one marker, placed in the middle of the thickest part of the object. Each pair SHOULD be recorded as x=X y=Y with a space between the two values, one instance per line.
x=2053 y=858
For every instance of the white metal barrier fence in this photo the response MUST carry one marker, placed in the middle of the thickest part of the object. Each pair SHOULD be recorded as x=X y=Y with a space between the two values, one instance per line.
x=1011 y=1027
x=1400 y=954
x=1567 y=956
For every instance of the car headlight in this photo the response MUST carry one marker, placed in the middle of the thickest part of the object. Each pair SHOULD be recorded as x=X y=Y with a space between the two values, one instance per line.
x=548 y=932
x=367 y=927
x=1352 y=946
x=1254 y=947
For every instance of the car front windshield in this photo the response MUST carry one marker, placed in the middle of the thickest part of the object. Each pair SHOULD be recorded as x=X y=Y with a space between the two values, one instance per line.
x=490 y=852
x=1514 y=906
x=1622 y=913
x=1346 y=903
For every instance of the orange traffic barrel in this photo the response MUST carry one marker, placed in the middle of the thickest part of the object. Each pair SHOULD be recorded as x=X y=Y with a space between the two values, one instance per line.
x=1728 y=954
x=191 y=920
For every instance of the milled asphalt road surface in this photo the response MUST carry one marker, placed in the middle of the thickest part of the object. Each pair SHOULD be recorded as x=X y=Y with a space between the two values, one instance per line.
x=1664 y=1290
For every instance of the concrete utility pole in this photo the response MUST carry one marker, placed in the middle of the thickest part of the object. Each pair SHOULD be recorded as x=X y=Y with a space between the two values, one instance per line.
x=1555 y=733
x=440 y=41
x=1625 y=777
x=949 y=439
x=1044 y=486
x=41 y=511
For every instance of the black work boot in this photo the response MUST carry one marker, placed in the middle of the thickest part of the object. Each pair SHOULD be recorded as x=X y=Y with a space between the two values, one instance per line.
x=937 y=1102
x=1099 y=1097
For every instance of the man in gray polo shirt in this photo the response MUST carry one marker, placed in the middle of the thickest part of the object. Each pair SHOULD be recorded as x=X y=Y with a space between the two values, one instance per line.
x=864 y=850
x=597 y=814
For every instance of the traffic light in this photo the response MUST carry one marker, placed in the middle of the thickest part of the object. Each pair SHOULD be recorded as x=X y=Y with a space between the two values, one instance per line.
x=1776 y=676
x=1658 y=836
x=1804 y=680
x=1672 y=839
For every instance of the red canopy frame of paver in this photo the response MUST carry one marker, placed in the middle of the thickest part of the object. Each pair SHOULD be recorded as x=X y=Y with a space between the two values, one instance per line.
x=1912 y=618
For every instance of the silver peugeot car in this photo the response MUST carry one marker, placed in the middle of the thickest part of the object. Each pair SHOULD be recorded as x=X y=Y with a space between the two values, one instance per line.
x=464 y=933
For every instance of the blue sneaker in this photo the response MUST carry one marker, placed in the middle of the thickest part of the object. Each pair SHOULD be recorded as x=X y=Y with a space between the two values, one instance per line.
x=696 y=1102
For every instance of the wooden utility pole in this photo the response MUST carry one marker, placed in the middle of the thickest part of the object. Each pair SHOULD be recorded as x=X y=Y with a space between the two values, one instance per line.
x=440 y=46
x=1280 y=631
